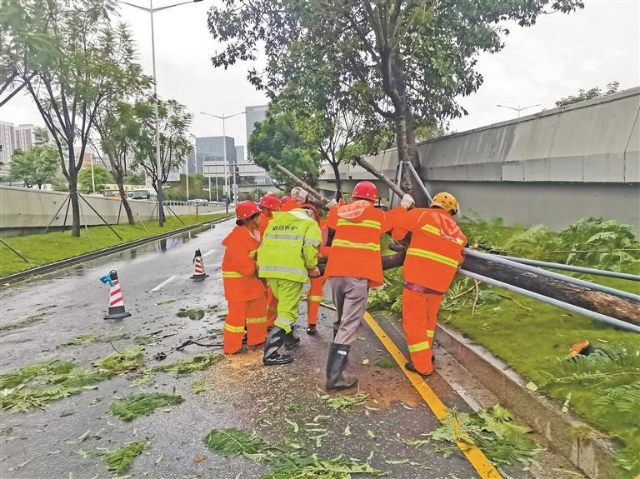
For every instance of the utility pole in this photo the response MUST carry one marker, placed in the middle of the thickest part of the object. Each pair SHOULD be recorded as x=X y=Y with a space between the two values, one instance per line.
x=151 y=11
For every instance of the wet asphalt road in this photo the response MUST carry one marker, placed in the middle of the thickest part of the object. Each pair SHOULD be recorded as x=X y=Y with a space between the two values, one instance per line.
x=39 y=316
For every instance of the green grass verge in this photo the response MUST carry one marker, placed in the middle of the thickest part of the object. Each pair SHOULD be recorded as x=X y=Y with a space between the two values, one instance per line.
x=41 y=249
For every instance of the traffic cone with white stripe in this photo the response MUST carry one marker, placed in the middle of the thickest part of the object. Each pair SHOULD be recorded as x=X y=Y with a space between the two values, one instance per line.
x=115 y=310
x=199 y=274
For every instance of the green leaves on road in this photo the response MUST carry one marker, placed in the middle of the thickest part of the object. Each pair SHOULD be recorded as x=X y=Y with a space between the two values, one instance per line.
x=287 y=465
x=343 y=402
x=122 y=361
x=189 y=365
x=142 y=404
x=121 y=459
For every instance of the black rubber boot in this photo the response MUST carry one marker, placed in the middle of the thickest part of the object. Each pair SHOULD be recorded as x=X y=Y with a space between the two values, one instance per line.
x=311 y=329
x=274 y=341
x=337 y=362
x=290 y=341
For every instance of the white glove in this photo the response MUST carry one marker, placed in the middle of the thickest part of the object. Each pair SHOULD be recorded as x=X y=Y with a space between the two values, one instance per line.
x=407 y=201
x=299 y=194
x=331 y=204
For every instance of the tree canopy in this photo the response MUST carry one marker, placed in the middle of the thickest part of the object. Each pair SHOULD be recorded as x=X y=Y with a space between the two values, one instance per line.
x=37 y=166
x=591 y=94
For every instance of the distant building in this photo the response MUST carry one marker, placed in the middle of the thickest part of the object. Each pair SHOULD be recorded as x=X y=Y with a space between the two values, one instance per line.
x=254 y=114
x=240 y=154
x=211 y=148
x=7 y=141
x=24 y=137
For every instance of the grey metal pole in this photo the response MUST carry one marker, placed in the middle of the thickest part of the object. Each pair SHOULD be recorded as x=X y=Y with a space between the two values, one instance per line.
x=195 y=154
x=575 y=269
x=209 y=188
x=576 y=309
x=550 y=274
x=155 y=92
x=419 y=180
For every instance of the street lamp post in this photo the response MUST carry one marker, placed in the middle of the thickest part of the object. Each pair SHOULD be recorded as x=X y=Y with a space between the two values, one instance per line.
x=224 y=149
x=518 y=109
x=151 y=11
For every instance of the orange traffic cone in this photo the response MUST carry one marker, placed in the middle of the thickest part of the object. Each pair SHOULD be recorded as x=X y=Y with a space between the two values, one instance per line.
x=115 y=309
x=199 y=274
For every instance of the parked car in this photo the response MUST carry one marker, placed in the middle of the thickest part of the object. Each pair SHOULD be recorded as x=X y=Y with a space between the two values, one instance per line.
x=198 y=202
x=142 y=194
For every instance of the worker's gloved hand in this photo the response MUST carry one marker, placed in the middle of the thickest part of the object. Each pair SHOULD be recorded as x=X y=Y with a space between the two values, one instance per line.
x=331 y=204
x=313 y=273
x=407 y=201
x=299 y=194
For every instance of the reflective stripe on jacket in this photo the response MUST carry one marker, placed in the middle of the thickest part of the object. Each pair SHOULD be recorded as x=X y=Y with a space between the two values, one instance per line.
x=355 y=250
x=289 y=247
x=436 y=247
x=239 y=266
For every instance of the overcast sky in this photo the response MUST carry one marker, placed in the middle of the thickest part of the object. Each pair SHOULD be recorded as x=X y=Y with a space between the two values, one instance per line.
x=555 y=58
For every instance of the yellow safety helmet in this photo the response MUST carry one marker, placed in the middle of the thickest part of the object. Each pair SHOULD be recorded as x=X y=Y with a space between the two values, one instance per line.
x=446 y=201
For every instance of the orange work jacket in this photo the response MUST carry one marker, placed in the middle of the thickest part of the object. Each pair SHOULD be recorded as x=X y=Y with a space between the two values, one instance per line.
x=435 y=251
x=265 y=217
x=355 y=250
x=239 y=266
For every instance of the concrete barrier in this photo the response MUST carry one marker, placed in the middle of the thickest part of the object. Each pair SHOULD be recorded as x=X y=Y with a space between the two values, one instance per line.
x=23 y=209
x=554 y=167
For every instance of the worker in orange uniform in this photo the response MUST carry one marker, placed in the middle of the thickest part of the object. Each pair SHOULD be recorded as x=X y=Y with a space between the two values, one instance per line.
x=433 y=257
x=354 y=266
x=269 y=204
x=316 y=289
x=243 y=290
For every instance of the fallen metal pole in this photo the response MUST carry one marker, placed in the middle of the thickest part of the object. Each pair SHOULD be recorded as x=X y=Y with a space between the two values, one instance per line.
x=554 y=302
x=419 y=181
x=575 y=269
x=550 y=274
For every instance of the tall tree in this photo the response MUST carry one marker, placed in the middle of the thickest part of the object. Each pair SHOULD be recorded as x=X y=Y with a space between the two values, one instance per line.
x=93 y=62
x=173 y=124
x=407 y=59
x=37 y=166
x=119 y=131
x=100 y=176
x=591 y=94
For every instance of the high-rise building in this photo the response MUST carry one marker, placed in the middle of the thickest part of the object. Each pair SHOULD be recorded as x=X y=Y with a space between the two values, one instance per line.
x=240 y=153
x=7 y=141
x=24 y=137
x=254 y=114
x=211 y=148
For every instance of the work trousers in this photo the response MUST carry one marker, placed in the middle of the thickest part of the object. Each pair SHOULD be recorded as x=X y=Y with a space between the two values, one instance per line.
x=288 y=294
x=350 y=299
x=272 y=308
x=250 y=314
x=314 y=298
x=419 y=320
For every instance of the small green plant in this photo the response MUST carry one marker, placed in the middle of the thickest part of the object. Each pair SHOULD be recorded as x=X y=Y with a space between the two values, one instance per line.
x=121 y=459
x=235 y=442
x=142 y=404
x=83 y=339
x=386 y=363
x=193 y=314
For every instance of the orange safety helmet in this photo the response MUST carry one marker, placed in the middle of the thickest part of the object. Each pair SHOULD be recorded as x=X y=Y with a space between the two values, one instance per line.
x=271 y=202
x=446 y=201
x=246 y=209
x=309 y=206
x=365 y=190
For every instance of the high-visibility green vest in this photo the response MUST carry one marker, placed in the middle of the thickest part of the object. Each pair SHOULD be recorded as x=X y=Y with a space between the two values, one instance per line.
x=289 y=247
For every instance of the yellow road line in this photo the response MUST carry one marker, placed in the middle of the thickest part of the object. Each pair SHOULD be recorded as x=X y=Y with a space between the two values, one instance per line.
x=475 y=456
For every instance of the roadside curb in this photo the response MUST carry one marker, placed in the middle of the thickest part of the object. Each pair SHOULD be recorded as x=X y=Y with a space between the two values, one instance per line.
x=564 y=433
x=7 y=281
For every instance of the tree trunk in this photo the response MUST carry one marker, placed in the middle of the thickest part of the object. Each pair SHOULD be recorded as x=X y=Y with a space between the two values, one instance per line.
x=336 y=172
x=75 y=207
x=603 y=303
x=418 y=194
x=125 y=202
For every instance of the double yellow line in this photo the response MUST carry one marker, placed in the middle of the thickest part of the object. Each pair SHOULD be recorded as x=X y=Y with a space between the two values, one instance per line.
x=474 y=455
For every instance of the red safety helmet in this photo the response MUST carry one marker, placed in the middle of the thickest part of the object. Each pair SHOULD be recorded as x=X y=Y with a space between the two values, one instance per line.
x=246 y=209
x=365 y=190
x=285 y=199
x=270 y=202
x=309 y=206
